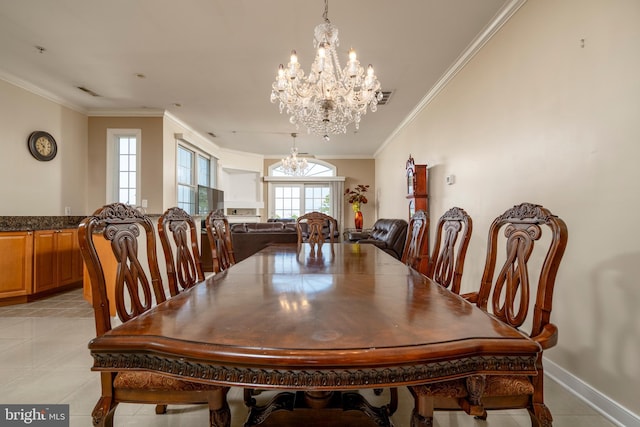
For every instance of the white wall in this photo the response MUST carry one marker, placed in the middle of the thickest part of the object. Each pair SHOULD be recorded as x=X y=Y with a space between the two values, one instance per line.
x=29 y=186
x=537 y=117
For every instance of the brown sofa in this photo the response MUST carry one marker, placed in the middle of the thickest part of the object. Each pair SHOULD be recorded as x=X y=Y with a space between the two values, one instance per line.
x=249 y=238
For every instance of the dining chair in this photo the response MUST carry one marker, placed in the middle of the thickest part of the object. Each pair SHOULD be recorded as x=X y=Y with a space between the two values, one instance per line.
x=505 y=293
x=138 y=285
x=316 y=228
x=184 y=266
x=416 y=247
x=219 y=234
x=446 y=262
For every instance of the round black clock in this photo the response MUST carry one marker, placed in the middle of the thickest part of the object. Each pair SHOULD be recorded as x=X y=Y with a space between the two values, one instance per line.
x=42 y=145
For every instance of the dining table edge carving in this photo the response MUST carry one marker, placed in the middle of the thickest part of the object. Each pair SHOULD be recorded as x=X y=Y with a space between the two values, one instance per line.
x=316 y=378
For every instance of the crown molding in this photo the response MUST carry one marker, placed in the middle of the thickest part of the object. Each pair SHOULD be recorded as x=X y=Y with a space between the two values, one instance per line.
x=36 y=90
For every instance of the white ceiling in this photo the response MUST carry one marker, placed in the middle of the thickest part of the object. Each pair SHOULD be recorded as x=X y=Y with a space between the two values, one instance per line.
x=218 y=59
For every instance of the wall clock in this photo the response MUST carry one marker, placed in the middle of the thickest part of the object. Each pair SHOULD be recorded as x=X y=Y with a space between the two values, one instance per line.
x=42 y=145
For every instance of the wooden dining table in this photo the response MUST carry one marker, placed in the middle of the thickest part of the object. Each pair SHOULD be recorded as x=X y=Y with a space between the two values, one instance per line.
x=317 y=323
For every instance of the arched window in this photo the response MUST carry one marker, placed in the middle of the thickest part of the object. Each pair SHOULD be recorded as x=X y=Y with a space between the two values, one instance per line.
x=318 y=189
x=316 y=168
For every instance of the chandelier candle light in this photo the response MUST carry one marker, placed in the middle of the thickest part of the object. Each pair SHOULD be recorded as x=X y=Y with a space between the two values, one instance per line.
x=329 y=98
x=292 y=165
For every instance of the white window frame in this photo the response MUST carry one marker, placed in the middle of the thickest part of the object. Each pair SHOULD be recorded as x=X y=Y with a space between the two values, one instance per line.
x=213 y=167
x=335 y=182
x=113 y=169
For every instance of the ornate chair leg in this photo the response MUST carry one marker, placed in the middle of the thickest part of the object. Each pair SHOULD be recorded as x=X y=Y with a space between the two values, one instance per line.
x=103 y=412
x=472 y=405
x=219 y=412
x=418 y=420
x=539 y=413
x=422 y=415
x=540 y=416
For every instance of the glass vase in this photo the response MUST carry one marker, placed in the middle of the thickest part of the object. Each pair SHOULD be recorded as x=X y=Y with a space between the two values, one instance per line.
x=358 y=220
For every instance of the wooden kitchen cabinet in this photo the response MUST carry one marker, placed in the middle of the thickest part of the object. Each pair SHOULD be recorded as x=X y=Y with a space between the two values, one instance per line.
x=16 y=264
x=57 y=260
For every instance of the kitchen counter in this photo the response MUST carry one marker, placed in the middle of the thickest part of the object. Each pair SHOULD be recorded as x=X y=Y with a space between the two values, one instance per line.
x=32 y=223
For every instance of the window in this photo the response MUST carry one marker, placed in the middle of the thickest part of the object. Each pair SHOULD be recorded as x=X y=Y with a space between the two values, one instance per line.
x=290 y=203
x=315 y=169
x=317 y=198
x=186 y=180
x=287 y=201
x=194 y=168
x=318 y=190
x=123 y=170
x=204 y=171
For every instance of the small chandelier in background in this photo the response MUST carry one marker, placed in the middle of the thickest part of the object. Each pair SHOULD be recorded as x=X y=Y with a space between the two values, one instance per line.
x=292 y=165
x=329 y=98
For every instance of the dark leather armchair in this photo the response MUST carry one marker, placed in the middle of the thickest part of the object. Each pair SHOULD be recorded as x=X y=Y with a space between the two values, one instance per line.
x=389 y=235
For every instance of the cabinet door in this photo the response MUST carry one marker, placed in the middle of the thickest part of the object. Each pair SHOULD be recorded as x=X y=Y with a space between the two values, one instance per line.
x=57 y=259
x=69 y=262
x=45 y=260
x=16 y=252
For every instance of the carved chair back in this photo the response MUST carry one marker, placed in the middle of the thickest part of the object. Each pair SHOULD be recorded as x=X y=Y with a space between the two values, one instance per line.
x=312 y=228
x=177 y=229
x=446 y=262
x=219 y=234
x=138 y=279
x=415 y=253
x=505 y=291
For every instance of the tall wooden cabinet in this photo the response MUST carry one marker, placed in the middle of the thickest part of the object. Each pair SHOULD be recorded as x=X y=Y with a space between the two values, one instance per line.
x=16 y=263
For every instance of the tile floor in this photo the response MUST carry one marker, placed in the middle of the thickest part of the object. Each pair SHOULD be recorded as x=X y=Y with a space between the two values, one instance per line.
x=44 y=359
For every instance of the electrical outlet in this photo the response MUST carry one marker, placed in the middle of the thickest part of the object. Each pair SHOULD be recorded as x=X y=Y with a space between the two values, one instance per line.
x=67 y=210
x=145 y=203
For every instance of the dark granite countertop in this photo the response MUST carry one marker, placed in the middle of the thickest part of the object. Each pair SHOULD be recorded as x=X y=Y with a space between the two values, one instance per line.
x=31 y=223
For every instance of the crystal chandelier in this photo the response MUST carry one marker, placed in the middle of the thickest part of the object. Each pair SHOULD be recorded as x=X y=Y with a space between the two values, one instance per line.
x=292 y=165
x=329 y=98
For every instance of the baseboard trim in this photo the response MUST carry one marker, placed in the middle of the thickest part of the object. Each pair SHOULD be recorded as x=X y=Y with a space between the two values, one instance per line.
x=610 y=409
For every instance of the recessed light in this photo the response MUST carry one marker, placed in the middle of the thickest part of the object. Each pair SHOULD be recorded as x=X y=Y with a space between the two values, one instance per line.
x=141 y=76
x=177 y=104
